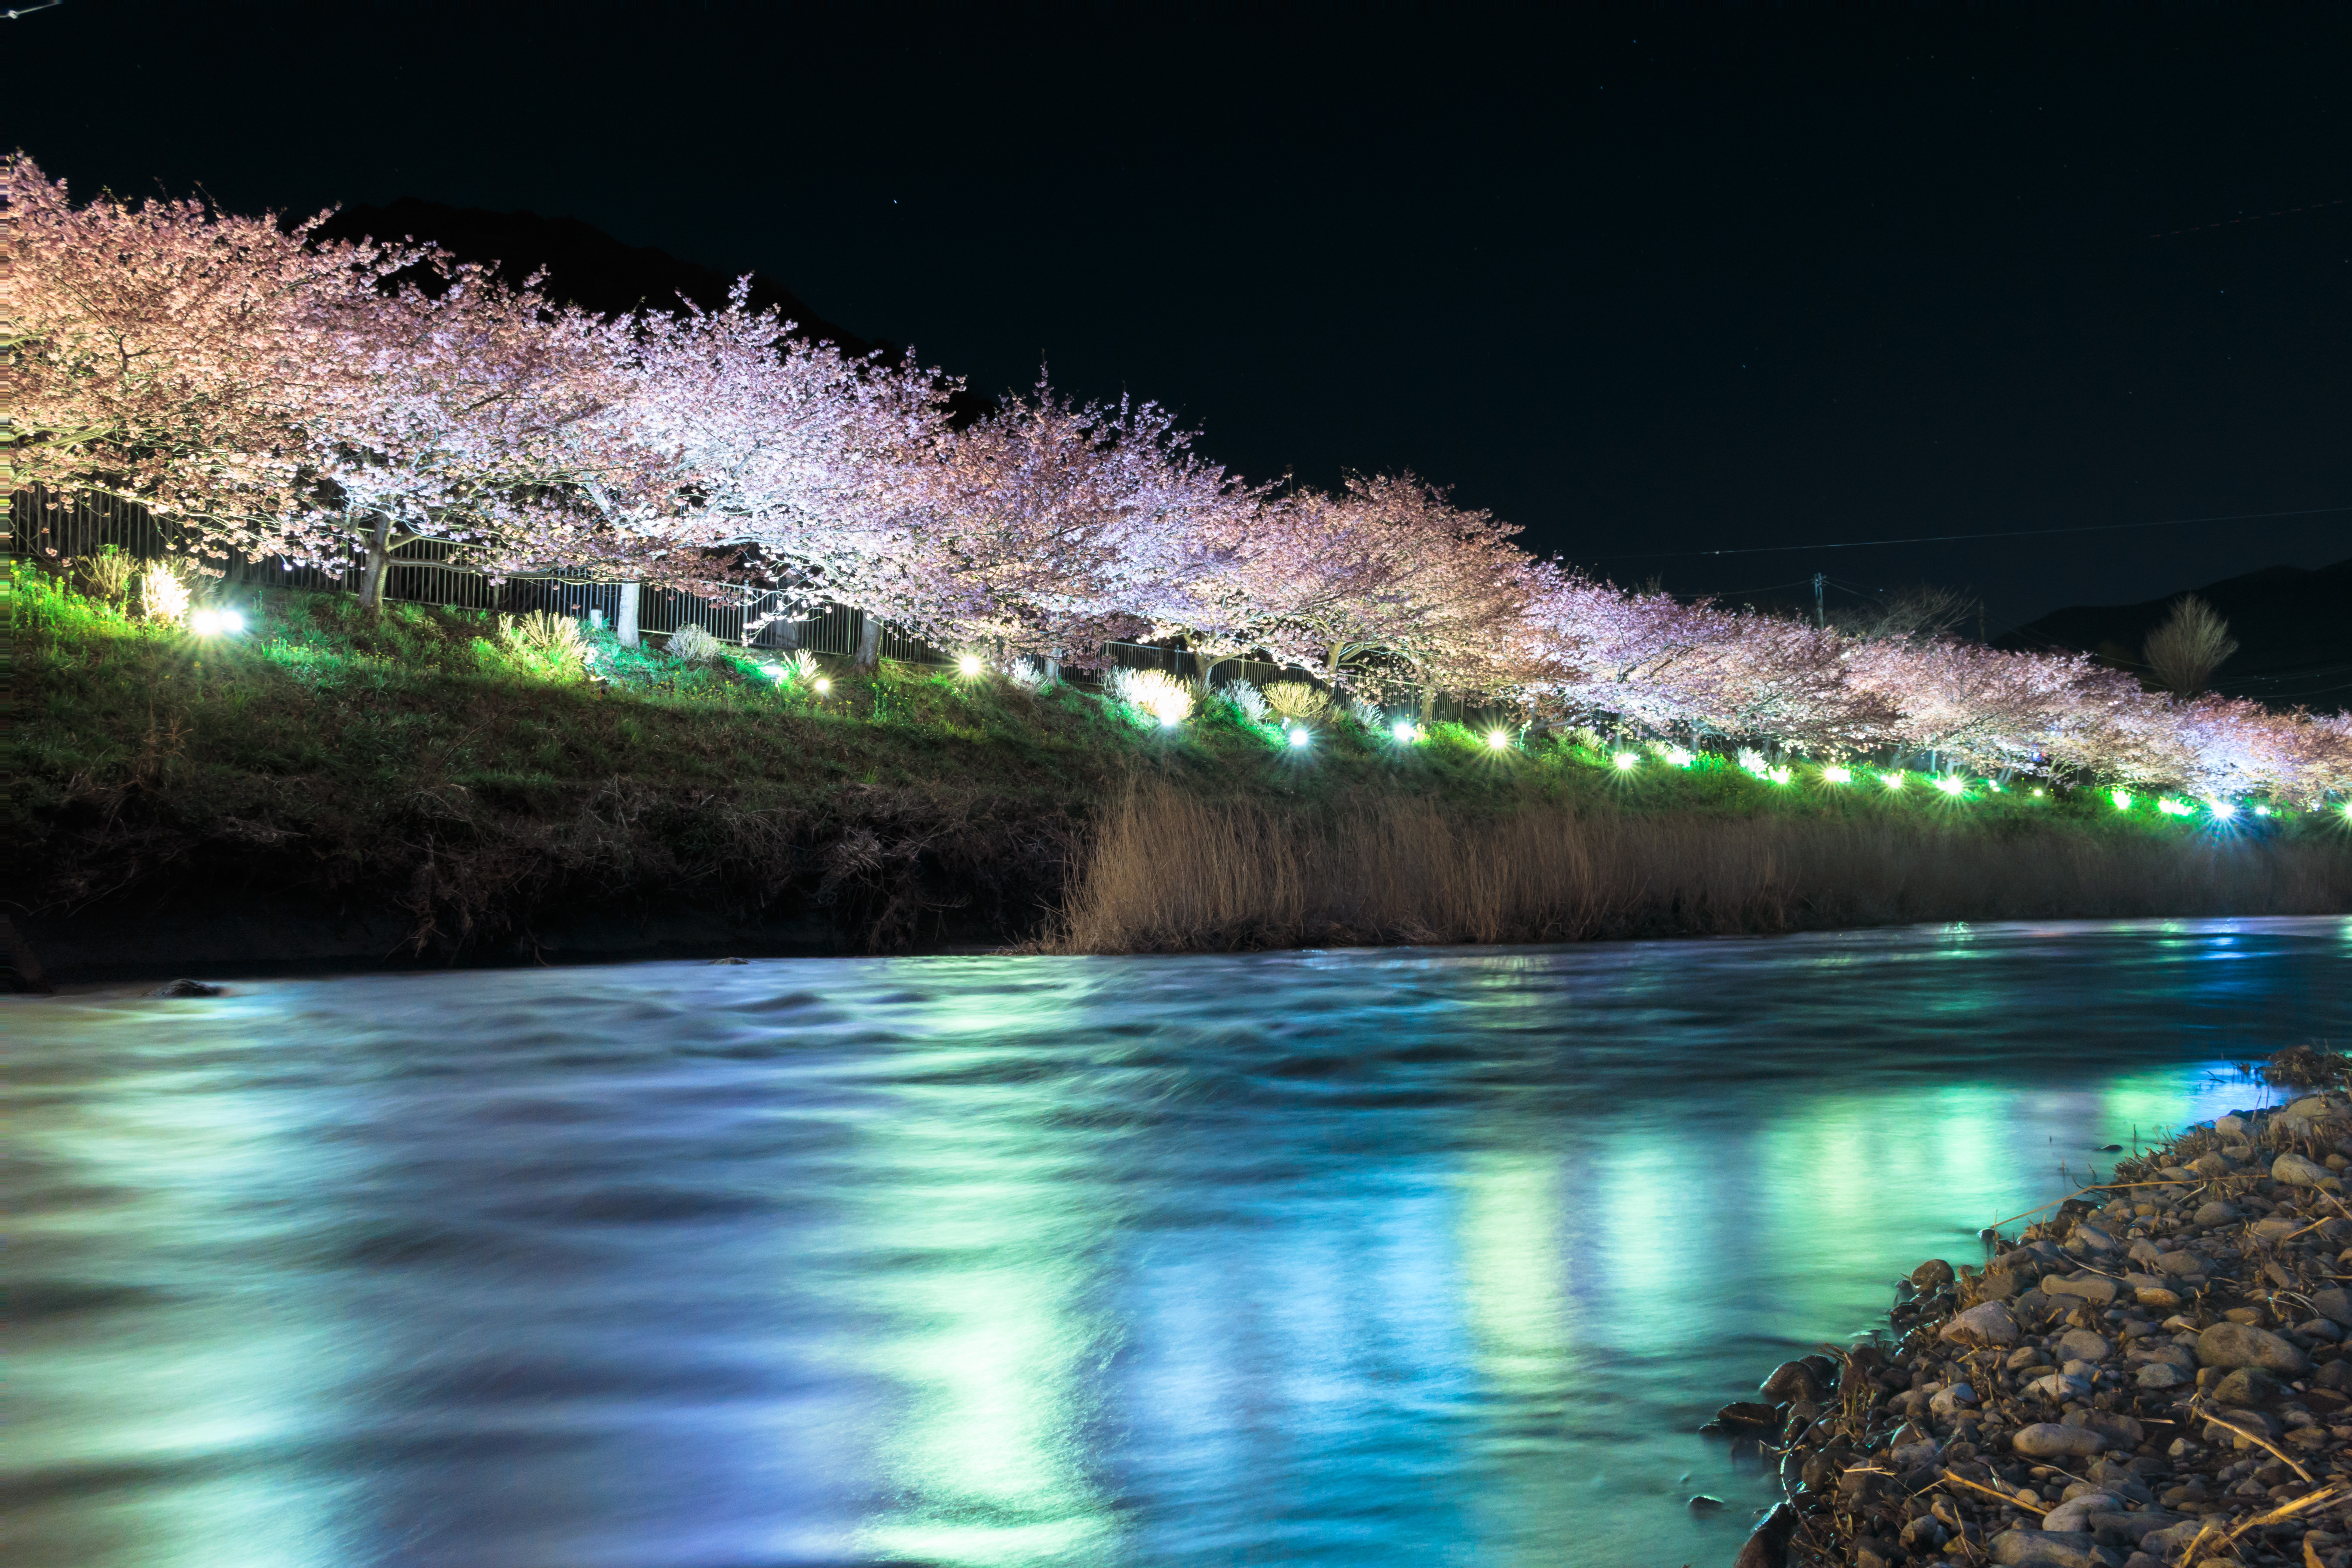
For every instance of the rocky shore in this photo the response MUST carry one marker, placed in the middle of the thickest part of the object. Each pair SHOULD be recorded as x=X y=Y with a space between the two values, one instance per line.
x=2153 y=1374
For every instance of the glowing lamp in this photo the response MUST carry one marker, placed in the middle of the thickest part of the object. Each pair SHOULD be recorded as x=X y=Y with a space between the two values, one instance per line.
x=2221 y=809
x=1837 y=773
x=1780 y=776
x=1298 y=737
x=1626 y=761
x=2037 y=792
x=823 y=686
x=1753 y=761
x=1679 y=757
x=969 y=664
x=1499 y=740
x=2122 y=800
x=2262 y=811
x=1893 y=780
x=1952 y=784
x=216 y=622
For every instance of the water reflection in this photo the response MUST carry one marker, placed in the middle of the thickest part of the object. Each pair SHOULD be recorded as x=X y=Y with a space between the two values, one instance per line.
x=1337 y=1257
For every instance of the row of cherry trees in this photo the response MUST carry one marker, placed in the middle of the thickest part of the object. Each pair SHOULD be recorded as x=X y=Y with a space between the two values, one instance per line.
x=327 y=401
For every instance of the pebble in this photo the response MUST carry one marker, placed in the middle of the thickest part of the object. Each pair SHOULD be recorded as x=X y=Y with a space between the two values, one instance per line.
x=2242 y=1344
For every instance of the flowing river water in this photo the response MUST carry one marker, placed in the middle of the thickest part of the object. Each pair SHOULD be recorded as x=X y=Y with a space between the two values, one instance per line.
x=1361 y=1258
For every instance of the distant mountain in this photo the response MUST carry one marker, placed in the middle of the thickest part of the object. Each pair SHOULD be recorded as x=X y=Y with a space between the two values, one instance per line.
x=2294 y=627
x=585 y=266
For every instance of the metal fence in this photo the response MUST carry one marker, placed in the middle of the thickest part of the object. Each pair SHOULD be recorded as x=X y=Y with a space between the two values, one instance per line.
x=60 y=527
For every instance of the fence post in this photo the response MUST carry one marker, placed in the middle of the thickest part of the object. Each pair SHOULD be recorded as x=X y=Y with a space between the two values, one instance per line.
x=624 y=615
x=869 y=640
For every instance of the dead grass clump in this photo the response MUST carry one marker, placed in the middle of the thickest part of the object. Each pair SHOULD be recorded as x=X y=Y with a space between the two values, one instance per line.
x=693 y=644
x=2191 y=644
x=1166 y=872
x=2308 y=1067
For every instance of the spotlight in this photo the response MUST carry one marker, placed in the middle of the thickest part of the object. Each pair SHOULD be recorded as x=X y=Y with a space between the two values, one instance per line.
x=2122 y=800
x=1780 y=776
x=1499 y=740
x=1679 y=757
x=969 y=664
x=1952 y=784
x=1298 y=737
x=1626 y=761
x=823 y=686
x=2262 y=811
x=1837 y=773
x=1405 y=730
x=216 y=622
x=1893 y=780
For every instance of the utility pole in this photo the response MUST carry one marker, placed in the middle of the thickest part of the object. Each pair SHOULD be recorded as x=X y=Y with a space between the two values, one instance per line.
x=1820 y=615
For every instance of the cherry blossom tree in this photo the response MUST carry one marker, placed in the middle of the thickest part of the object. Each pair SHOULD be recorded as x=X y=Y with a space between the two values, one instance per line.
x=167 y=352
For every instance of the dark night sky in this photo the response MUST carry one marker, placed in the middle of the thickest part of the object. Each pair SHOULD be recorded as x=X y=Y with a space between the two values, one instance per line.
x=1640 y=281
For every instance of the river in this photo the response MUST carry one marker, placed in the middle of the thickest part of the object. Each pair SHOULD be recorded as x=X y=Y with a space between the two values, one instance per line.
x=1404 y=1257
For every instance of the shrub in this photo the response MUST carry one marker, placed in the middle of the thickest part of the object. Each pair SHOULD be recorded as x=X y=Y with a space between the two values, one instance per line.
x=1295 y=701
x=1370 y=715
x=1247 y=700
x=163 y=592
x=1152 y=693
x=544 y=638
x=800 y=665
x=1030 y=675
x=106 y=574
x=2185 y=651
x=694 y=643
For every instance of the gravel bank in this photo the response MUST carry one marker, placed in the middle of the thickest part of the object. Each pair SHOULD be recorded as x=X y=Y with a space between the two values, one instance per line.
x=2153 y=1374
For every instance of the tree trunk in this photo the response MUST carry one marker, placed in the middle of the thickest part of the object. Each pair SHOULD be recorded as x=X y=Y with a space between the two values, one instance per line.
x=869 y=642
x=379 y=563
x=624 y=617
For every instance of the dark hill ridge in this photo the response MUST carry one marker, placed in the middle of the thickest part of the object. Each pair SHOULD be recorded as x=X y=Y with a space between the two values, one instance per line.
x=585 y=266
x=2294 y=627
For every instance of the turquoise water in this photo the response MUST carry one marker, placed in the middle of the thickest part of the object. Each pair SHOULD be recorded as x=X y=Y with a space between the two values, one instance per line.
x=1368 y=1257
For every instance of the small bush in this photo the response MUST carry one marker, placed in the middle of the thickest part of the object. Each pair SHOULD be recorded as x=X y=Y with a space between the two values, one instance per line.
x=801 y=667
x=1370 y=715
x=1153 y=694
x=163 y=592
x=694 y=644
x=106 y=574
x=1030 y=675
x=1247 y=700
x=1295 y=701
x=2185 y=651
x=543 y=638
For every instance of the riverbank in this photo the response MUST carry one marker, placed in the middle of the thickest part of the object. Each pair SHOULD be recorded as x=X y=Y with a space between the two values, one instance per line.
x=2155 y=1376
x=330 y=788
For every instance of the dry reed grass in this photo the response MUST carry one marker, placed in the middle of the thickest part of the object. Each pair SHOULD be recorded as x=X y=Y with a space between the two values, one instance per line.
x=1170 y=872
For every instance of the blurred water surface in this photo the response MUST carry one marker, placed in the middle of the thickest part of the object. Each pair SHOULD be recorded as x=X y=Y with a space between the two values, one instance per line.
x=1367 y=1258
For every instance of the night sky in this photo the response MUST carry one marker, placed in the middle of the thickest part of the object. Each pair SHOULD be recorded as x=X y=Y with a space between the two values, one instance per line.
x=1648 y=285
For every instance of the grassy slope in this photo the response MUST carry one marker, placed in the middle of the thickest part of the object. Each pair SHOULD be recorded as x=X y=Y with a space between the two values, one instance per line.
x=412 y=762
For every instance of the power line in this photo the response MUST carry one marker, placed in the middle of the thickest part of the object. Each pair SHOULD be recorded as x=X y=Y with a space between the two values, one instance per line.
x=1945 y=538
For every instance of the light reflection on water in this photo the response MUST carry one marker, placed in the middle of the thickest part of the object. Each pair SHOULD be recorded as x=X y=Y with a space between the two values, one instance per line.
x=1366 y=1257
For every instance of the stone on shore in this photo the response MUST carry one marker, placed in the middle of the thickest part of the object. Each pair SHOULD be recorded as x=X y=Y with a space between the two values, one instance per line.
x=1988 y=1324
x=2297 y=1171
x=2048 y=1440
x=2336 y=1306
x=2231 y=1345
x=2096 y=1288
x=2051 y=1549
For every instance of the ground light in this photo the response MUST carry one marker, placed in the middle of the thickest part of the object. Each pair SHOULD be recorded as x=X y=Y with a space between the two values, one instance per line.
x=1753 y=761
x=1626 y=761
x=969 y=664
x=2262 y=811
x=1300 y=737
x=823 y=686
x=1892 y=780
x=1837 y=773
x=1780 y=776
x=1499 y=740
x=2122 y=800
x=1952 y=784
x=216 y=622
x=1405 y=731
x=1679 y=757
x=2221 y=809
x=2173 y=808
